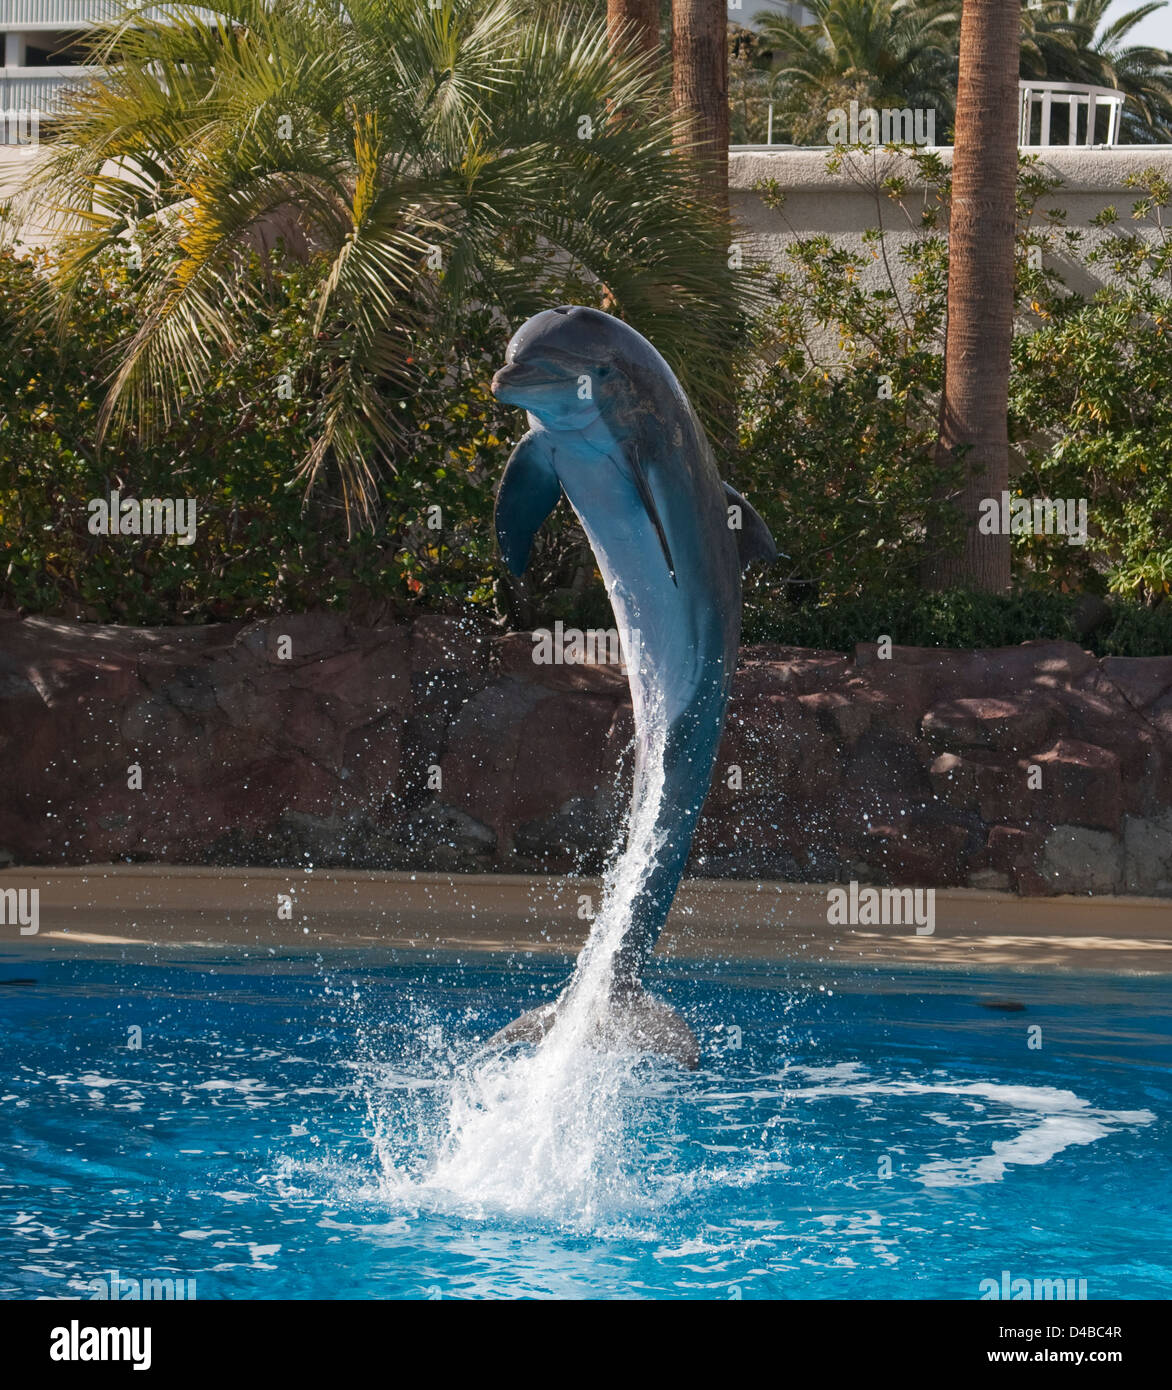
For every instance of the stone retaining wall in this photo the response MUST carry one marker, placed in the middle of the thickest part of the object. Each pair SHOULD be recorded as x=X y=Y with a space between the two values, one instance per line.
x=1037 y=769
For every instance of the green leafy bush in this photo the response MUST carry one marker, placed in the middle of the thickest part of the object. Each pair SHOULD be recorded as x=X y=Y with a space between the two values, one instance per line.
x=838 y=429
x=963 y=619
x=954 y=619
x=1091 y=406
x=263 y=544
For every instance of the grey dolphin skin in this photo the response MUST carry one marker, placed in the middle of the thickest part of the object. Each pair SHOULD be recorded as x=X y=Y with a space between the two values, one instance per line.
x=612 y=429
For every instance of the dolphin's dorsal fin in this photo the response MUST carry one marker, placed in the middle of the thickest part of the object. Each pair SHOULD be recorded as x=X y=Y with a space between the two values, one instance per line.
x=754 y=541
x=648 y=500
x=529 y=490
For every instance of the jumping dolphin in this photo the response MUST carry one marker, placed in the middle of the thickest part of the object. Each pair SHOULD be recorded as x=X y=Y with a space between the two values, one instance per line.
x=612 y=428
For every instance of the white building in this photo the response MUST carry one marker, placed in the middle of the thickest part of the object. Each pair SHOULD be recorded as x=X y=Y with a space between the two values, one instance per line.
x=745 y=12
x=42 y=53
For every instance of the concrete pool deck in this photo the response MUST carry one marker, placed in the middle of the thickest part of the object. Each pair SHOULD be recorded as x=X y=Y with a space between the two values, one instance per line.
x=100 y=906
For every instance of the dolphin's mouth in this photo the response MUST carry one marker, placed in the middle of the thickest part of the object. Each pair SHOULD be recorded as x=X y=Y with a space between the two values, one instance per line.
x=519 y=376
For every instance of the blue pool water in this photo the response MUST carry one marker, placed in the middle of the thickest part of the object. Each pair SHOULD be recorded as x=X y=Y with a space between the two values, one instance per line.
x=319 y=1126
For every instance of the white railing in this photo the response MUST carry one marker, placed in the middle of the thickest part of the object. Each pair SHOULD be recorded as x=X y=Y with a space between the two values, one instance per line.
x=1076 y=97
x=63 y=15
x=37 y=89
x=54 y=14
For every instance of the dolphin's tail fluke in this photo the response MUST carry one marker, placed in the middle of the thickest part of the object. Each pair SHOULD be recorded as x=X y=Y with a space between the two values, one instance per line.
x=633 y=1020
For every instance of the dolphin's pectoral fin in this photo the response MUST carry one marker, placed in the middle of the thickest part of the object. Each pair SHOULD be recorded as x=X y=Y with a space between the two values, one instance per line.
x=634 y=1022
x=647 y=1024
x=529 y=490
x=648 y=500
x=530 y=1027
x=754 y=541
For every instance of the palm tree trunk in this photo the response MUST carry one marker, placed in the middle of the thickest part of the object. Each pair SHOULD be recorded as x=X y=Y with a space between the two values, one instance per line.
x=975 y=403
x=638 y=20
x=700 y=89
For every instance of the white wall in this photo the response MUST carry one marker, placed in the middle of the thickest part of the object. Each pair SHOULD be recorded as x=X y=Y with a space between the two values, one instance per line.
x=842 y=205
x=748 y=10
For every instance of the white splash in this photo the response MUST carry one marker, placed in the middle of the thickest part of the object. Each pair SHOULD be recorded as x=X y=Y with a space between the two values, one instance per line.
x=548 y=1131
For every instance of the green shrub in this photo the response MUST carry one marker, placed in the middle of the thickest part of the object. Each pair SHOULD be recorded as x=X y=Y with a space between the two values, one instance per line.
x=961 y=619
x=263 y=545
x=838 y=430
x=1136 y=629
x=1091 y=405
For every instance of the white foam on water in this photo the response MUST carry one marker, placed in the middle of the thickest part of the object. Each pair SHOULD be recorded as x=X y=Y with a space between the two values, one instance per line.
x=1054 y=1120
x=1061 y=1120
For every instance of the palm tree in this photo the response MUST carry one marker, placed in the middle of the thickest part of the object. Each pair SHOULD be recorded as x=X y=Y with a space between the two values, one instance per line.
x=634 y=21
x=1071 y=41
x=880 y=52
x=974 y=434
x=699 y=47
x=422 y=157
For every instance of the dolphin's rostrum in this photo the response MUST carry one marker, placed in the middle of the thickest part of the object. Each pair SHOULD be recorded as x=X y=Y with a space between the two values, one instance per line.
x=612 y=429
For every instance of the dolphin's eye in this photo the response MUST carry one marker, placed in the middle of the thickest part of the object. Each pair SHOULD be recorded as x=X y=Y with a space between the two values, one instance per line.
x=602 y=371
